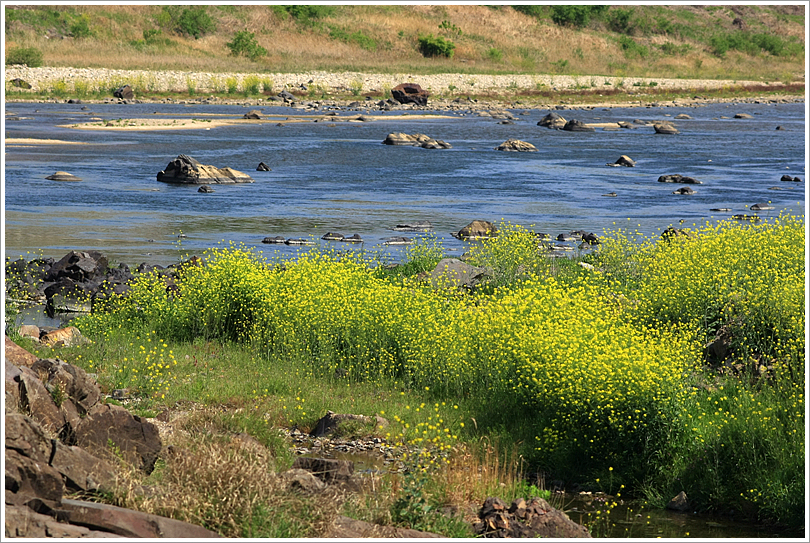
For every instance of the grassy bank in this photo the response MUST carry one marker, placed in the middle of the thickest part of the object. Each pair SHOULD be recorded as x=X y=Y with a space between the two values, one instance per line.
x=659 y=365
x=701 y=42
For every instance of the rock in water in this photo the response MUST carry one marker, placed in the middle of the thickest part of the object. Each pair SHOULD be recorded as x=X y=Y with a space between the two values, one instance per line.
x=516 y=145
x=63 y=176
x=186 y=170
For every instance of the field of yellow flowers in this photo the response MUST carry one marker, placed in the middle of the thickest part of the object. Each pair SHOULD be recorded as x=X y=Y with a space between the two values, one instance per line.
x=603 y=372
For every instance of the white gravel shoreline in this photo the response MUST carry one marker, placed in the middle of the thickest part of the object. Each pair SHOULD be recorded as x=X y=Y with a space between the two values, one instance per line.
x=42 y=79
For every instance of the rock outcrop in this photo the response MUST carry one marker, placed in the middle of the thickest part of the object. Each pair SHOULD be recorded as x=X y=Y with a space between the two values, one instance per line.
x=410 y=93
x=185 y=170
x=417 y=140
x=553 y=120
x=535 y=518
x=51 y=409
x=516 y=145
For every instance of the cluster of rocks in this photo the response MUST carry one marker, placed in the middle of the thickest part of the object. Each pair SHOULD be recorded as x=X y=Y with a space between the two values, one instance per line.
x=62 y=437
x=78 y=281
x=522 y=519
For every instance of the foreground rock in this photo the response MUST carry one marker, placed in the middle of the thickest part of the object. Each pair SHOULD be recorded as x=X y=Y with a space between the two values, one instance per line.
x=186 y=170
x=418 y=140
x=516 y=145
x=51 y=408
x=410 y=93
x=523 y=519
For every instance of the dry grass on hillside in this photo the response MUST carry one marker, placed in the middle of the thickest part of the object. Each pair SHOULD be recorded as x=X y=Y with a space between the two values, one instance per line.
x=487 y=41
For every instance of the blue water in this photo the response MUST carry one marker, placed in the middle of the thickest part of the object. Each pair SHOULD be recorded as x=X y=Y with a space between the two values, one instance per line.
x=341 y=178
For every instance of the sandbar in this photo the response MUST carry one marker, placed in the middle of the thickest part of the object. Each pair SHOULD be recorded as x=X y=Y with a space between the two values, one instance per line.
x=20 y=142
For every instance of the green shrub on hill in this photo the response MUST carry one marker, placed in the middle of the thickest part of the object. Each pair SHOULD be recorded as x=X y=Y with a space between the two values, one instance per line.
x=30 y=56
x=244 y=43
x=437 y=46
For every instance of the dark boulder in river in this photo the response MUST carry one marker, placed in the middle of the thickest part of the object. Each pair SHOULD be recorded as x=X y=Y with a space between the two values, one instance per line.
x=678 y=178
x=410 y=93
x=186 y=170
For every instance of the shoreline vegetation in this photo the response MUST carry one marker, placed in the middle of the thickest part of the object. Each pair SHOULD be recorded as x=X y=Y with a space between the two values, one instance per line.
x=642 y=369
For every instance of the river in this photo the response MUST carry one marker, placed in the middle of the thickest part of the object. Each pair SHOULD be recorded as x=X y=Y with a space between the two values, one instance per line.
x=338 y=177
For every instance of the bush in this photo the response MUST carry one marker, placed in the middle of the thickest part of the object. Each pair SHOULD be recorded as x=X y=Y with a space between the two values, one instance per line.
x=195 y=21
x=619 y=21
x=632 y=48
x=531 y=10
x=81 y=27
x=576 y=16
x=30 y=56
x=245 y=44
x=305 y=14
x=431 y=46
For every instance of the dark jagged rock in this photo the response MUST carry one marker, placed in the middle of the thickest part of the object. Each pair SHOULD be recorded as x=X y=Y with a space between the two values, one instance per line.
x=410 y=93
x=205 y=189
x=684 y=190
x=678 y=178
x=124 y=92
x=577 y=126
x=262 y=167
x=186 y=170
x=553 y=120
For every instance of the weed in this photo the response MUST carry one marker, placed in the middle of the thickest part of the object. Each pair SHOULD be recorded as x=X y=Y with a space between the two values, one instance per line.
x=250 y=85
x=356 y=87
x=494 y=54
x=232 y=84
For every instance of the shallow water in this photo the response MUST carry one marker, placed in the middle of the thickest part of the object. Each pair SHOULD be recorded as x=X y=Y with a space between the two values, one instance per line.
x=340 y=178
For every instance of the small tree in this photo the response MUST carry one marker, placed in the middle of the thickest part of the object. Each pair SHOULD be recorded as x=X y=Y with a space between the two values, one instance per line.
x=244 y=43
x=195 y=21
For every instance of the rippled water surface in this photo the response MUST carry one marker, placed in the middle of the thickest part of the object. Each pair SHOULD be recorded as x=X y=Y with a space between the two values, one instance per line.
x=339 y=177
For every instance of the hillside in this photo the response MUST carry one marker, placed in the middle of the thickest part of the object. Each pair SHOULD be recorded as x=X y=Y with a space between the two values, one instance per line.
x=762 y=42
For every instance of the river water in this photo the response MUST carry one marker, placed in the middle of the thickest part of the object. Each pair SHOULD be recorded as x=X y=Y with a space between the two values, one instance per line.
x=339 y=177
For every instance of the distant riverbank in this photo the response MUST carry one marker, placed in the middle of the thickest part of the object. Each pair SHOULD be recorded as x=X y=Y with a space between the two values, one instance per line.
x=528 y=90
